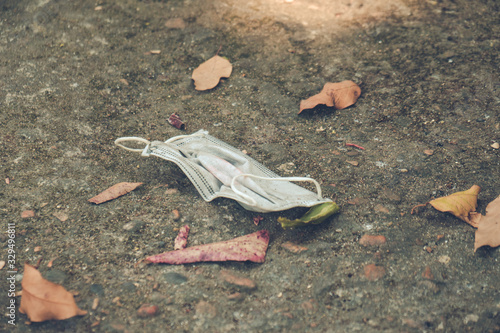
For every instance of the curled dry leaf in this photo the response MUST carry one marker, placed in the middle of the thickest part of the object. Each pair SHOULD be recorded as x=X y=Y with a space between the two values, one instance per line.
x=250 y=247
x=44 y=300
x=315 y=215
x=176 y=121
x=340 y=95
x=488 y=230
x=114 y=192
x=460 y=204
x=208 y=74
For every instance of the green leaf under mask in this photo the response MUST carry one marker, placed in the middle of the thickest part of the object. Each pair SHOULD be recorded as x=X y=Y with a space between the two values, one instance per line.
x=315 y=215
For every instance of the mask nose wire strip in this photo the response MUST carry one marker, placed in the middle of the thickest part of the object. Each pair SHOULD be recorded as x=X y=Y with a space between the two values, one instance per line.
x=132 y=138
x=283 y=179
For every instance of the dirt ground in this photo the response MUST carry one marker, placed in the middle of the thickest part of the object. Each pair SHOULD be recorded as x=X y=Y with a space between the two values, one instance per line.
x=76 y=75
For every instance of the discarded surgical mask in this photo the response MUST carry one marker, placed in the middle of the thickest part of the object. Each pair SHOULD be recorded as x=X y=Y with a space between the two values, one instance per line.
x=217 y=169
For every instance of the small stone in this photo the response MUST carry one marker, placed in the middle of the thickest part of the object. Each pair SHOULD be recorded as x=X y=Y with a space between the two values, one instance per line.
x=97 y=289
x=95 y=303
x=27 y=214
x=37 y=249
x=444 y=259
x=353 y=163
x=495 y=145
x=2 y=264
x=61 y=216
x=374 y=272
x=175 y=278
x=175 y=23
x=147 y=310
x=471 y=318
x=381 y=209
x=294 y=248
x=427 y=274
x=428 y=152
x=205 y=309
x=128 y=287
x=369 y=240
x=133 y=226
x=175 y=214
x=240 y=283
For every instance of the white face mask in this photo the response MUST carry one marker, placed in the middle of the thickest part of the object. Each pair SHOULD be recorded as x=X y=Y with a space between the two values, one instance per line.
x=217 y=169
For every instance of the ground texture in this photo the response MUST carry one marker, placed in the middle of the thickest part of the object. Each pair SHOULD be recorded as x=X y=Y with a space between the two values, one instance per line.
x=76 y=75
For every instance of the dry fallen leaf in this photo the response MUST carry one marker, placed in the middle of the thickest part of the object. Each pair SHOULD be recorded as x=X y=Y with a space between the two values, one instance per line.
x=182 y=238
x=43 y=300
x=208 y=74
x=488 y=230
x=340 y=95
x=460 y=204
x=250 y=247
x=114 y=192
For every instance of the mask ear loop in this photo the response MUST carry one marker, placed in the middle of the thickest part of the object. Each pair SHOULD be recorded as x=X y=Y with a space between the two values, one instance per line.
x=282 y=179
x=144 y=151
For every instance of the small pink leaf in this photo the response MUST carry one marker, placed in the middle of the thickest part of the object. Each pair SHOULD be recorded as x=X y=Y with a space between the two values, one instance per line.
x=250 y=247
x=114 y=192
x=182 y=238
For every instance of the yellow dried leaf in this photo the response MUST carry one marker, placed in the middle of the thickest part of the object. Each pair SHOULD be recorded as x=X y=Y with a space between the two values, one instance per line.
x=460 y=204
x=208 y=74
x=488 y=230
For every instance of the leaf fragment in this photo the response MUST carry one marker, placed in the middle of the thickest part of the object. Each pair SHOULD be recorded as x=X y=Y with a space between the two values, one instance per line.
x=460 y=204
x=250 y=247
x=208 y=74
x=488 y=230
x=339 y=95
x=181 y=239
x=114 y=192
x=314 y=215
x=44 y=300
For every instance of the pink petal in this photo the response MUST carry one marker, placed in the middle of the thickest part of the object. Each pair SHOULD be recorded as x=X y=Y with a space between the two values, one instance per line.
x=182 y=238
x=250 y=247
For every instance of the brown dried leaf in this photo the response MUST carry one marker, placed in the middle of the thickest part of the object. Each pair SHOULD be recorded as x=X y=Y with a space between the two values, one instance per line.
x=488 y=230
x=460 y=204
x=43 y=300
x=114 y=192
x=250 y=247
x=340 y=95
x=208 y=74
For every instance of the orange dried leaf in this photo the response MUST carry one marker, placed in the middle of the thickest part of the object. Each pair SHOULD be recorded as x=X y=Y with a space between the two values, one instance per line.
x=208 y=74
x=250 y=247
x=460 y=204
x=114 y=192
x=340 y=95
x=44 y=300
x=488 y=230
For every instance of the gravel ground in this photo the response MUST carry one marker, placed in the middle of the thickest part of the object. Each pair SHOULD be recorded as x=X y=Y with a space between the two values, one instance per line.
x=76 y=75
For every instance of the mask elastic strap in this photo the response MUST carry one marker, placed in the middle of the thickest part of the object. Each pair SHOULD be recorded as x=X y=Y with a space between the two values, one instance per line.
x=144 y=151
x=282 y=179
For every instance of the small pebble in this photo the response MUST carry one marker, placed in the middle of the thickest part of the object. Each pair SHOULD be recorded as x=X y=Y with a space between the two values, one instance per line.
x=369 y=240
x=294 y=248
x=27 y=214
x=241 y=283
x=374 y=272
x=495 y=145
x=147 y=310
x=427 y=274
